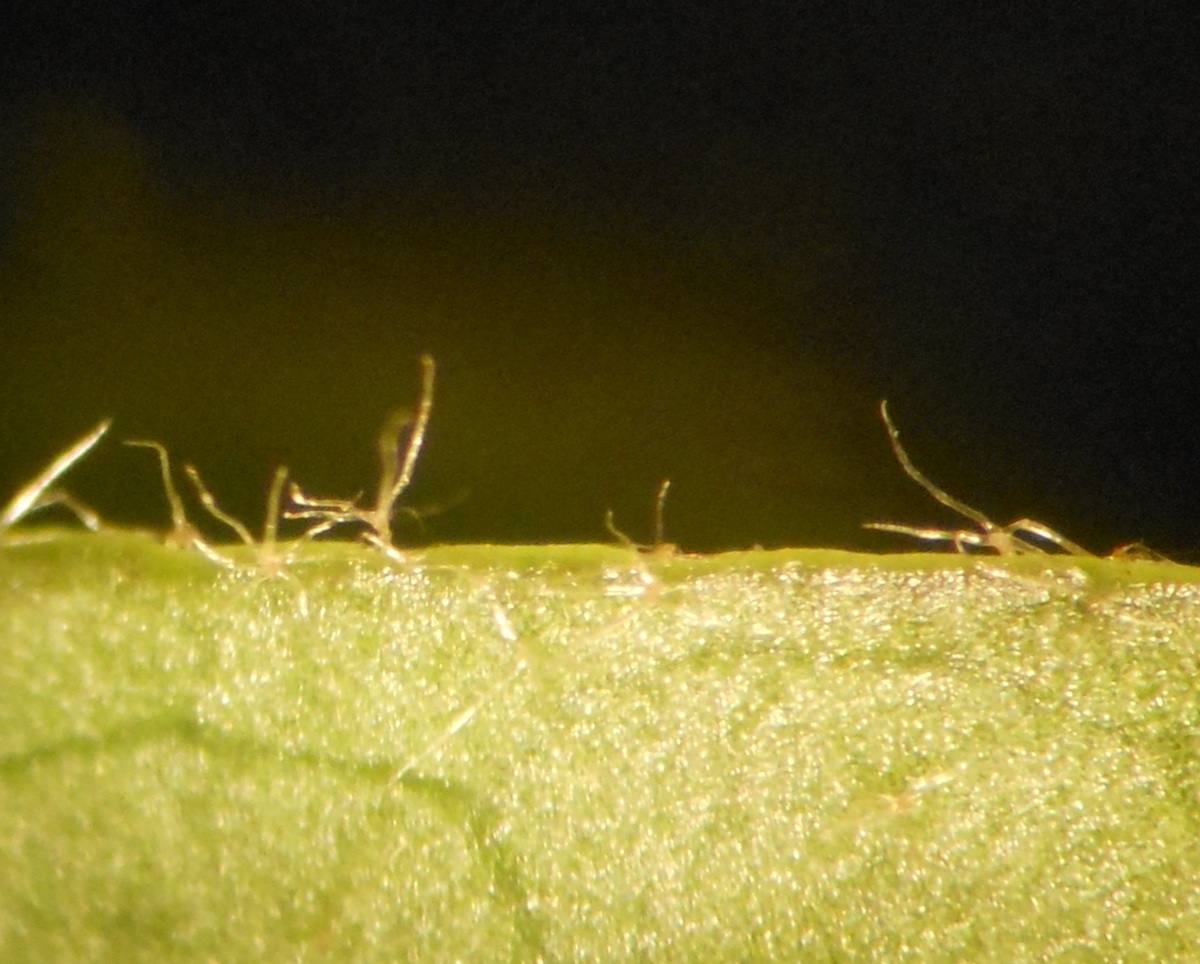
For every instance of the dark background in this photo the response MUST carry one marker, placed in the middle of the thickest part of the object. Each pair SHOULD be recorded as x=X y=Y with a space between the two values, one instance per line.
x=642 y=240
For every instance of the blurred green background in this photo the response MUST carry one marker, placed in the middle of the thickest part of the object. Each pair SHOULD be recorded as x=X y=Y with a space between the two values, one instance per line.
x=643 y=240
x=583 y=355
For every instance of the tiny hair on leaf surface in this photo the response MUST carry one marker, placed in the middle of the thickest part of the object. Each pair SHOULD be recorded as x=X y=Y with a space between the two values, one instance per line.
x=659 y=547
x=40 y=493
x=269 y=556
x=1004 y=540
x=397 y=465
x=270 y=559
x=183 y=534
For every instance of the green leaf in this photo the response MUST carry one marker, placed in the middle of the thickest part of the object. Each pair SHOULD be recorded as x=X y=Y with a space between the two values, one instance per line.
x=514 y=753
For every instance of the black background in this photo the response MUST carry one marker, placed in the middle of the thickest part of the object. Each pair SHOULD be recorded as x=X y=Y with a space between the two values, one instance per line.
x=642 y=240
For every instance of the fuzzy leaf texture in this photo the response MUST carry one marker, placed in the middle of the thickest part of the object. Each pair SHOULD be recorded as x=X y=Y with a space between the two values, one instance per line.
x=579 y=753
